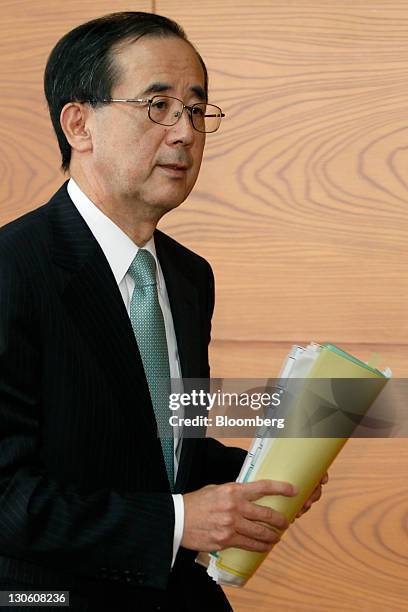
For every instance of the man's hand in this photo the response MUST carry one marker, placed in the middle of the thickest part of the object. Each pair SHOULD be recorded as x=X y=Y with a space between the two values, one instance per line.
x=315 y=496
x=220 y=516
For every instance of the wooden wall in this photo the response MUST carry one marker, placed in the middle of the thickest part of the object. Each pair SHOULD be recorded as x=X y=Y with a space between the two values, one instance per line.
x=301 y=208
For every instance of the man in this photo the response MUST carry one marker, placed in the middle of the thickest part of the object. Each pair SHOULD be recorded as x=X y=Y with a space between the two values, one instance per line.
x=96 y=306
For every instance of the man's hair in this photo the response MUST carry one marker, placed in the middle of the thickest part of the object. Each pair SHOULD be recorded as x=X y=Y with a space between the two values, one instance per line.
x=82 y=68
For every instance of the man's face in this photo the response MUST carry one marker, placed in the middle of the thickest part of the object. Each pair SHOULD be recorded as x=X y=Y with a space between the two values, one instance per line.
x=133 y=158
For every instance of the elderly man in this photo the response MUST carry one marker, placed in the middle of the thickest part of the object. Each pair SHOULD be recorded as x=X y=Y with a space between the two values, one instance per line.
x=96 y=306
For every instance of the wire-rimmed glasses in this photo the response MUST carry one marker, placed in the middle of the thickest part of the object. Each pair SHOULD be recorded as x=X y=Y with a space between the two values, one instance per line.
x=166 y=110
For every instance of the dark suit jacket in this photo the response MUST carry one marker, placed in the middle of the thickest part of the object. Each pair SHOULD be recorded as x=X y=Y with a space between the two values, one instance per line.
x=84 y=497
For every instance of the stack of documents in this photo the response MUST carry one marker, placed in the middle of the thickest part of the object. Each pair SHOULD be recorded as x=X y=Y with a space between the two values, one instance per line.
x=327 y=392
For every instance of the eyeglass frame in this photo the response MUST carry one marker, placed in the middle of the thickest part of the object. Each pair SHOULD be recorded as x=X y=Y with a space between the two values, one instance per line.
x=149 y=101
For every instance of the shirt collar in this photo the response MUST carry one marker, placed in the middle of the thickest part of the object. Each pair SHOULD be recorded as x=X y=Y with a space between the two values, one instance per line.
x=118 y=248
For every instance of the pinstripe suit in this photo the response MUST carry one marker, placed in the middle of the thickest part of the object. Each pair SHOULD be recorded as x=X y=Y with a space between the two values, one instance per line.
x=80 y=506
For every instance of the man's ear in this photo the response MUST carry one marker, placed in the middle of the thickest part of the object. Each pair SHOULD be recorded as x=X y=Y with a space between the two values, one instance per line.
x=74 y=120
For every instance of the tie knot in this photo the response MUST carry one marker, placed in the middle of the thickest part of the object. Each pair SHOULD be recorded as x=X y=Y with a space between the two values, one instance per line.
x=143 y=269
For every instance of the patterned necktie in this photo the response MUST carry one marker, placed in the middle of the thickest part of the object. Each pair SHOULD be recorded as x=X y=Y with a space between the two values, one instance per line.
x=148 y=325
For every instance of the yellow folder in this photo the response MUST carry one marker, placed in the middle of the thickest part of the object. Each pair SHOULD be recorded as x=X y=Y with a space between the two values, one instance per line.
x=334 y=394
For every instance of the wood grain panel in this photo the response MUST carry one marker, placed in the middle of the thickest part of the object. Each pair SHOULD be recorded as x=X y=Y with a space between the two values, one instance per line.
x=301 y=209
x=29 y=154
x=301 y=204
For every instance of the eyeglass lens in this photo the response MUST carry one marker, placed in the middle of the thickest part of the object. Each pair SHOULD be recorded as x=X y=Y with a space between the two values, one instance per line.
x=167 y=111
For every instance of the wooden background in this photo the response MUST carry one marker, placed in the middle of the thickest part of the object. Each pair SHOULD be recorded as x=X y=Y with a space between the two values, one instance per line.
x=301 y=208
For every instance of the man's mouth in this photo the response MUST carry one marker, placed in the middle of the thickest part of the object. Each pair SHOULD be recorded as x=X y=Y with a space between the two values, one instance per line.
x=175 y=166
x=174 y=169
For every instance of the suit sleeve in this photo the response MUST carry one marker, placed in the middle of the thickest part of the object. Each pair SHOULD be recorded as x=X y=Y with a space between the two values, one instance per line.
x=41 y=520
x=223 y=463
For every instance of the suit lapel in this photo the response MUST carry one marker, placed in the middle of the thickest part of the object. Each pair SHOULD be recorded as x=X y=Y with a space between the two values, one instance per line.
x=93 y=300
x=183 y=298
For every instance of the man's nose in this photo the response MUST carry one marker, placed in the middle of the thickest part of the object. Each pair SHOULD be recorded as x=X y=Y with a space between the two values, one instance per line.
x=182 y=130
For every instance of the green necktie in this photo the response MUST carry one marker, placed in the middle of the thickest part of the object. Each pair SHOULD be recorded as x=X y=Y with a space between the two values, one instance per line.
x=148 y=325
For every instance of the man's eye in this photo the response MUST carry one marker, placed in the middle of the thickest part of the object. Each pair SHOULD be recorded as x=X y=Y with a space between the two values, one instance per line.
x=160 y=104
x=198 y=111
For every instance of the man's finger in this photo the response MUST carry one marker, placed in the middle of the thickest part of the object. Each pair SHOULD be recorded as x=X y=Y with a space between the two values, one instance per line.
x=315 y=496
x=257 y=531
x=260 y=488
x=256 y=512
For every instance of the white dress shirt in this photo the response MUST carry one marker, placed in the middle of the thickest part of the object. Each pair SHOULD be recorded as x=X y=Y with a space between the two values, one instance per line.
x=120 y=251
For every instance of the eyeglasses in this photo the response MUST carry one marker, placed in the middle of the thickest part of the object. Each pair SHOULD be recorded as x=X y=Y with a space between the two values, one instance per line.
x=166 y=110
